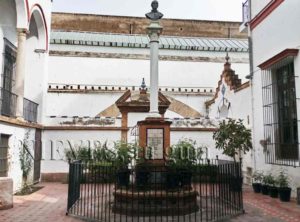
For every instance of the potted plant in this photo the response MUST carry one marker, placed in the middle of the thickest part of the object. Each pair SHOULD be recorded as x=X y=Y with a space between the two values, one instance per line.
x=172 y=175
x=284 y=189
x=183 y=157
x=273 y=189
x=233 y=138
x=257 y=179
x=123 y=157
x=142 y=172
x=265 y=184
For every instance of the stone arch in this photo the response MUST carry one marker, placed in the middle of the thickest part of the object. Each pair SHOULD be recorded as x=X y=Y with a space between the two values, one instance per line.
x=37 y=27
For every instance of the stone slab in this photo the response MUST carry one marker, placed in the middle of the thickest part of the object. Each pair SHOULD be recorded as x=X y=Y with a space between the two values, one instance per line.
x=6 y=193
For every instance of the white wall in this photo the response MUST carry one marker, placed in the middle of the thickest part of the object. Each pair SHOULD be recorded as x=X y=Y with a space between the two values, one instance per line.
x=55 y=142
x=17 y=136
x=79 y=104
x=203 y=138
x=258 y=5
x=107 y=71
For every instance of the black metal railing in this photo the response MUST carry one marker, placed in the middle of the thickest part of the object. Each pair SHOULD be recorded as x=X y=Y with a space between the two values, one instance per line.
x=8 y=101
x=30 y=110
x=209 y=191
x=246 y=12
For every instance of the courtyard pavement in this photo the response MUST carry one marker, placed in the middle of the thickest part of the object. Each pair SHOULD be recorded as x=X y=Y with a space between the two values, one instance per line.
x=49 y=205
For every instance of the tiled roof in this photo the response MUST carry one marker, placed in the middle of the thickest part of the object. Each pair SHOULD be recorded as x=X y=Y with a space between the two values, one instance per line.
x=142 y=41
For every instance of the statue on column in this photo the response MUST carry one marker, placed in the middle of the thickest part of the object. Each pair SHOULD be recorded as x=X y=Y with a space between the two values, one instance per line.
x=154 y=14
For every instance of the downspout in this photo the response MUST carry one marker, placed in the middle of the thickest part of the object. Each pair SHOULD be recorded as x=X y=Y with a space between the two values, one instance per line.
x=250 y=77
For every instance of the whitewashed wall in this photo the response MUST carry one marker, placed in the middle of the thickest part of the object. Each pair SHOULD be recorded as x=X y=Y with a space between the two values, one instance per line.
x=17 y=135
x=276 y=33
x=258 y=5
x=107 y=71
x=55 y=142
x=203 y=139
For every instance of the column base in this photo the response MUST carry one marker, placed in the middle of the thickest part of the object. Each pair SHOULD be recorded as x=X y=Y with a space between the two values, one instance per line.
x=154 y=115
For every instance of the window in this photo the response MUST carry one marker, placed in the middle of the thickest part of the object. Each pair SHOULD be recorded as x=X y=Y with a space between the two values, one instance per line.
x=3 y=155
x=9 y=66
x=7 y=98
x=280 y=114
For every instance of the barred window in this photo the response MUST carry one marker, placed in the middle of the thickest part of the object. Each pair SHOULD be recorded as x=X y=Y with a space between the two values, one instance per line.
x=280 y=114
x=9 y=65
x=3 y=155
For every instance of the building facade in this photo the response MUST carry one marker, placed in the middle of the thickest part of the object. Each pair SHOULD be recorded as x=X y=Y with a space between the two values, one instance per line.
x=24 y=44
x=276 y=86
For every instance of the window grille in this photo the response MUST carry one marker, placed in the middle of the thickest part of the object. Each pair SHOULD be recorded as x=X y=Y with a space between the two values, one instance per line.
x=280 y=143
x=7 y=98
x=30 y=110
x=3 y=155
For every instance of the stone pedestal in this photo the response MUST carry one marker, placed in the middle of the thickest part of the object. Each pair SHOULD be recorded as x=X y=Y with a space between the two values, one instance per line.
x=154 y=133
x=6 y=193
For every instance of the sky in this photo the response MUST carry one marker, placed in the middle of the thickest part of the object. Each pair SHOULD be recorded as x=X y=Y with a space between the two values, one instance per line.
x=222 y=10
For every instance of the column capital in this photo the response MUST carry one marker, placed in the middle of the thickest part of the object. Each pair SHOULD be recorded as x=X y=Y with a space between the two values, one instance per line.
x=22 y=31
x=154 y=30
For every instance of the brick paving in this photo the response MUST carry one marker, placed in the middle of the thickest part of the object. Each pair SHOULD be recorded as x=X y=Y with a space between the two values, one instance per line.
x=49 y=205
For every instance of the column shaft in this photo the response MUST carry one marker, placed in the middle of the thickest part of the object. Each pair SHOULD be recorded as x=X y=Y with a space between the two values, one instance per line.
x=20 y=72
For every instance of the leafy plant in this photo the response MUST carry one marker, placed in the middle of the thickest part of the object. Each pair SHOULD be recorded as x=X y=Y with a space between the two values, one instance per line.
x=257 y=177
x=233 y=137
x=282 y=179
x=269 y=180
x=184 y=154
x=124 y=153
x=103 y=154
x=81 y=153
x=26 y=161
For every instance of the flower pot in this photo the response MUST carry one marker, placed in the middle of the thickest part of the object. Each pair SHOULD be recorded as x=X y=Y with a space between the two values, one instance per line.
x=285 y=194
x=273 y=192
x=172 y=180
x=123 y=177
x=142 y=178
x=265 y=189
x=256 y=187
x=186 y=178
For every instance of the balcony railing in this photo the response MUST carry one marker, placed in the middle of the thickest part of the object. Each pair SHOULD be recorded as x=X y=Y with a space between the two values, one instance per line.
x=8 y=102
x=246 y=12
x=30 y=110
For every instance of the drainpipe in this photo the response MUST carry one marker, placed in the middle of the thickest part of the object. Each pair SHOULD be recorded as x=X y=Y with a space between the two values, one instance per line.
x=250 y=77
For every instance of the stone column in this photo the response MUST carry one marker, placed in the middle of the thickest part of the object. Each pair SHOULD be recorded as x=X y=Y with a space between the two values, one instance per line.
x=154 y=30
x=20 y=71
x=124 y=130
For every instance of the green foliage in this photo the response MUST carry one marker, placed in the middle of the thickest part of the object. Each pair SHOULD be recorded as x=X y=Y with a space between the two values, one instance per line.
x=282 y=179
x=257 y=177
x=102 y=154
x=233 y=137
x=80 y=153
x=184 y=154
x=26 y=160
x=269 y=179
x=124 y=154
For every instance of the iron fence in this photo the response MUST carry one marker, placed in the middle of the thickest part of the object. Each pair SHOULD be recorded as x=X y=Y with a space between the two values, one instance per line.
x=208 y=191
x=30 y=110
x=8 y=101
